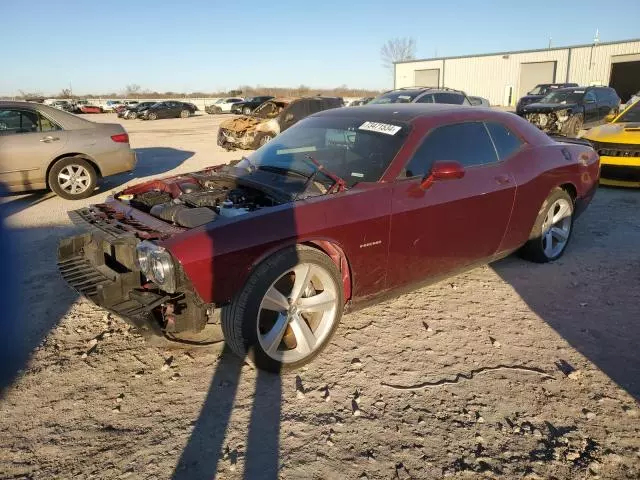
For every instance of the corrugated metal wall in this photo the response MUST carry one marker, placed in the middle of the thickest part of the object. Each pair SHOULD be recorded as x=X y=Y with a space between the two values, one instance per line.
x=488 y=76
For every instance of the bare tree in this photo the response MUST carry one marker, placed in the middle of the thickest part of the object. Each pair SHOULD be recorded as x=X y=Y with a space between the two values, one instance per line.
x=65 y=93
x=132 y=89
x=397 y=50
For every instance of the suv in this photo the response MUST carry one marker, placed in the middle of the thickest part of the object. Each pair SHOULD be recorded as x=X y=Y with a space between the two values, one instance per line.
x=540 y=91
x=269 y=119
x=422 y=95
x=566 y=111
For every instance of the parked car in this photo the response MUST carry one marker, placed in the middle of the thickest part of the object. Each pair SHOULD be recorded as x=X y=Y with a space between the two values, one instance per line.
x=78 y=104
x=90 y=109
x=618 y=144
x=110 y=105
x=269 y=119
x=566 y=111
x=168 y=109
x=422 y=95
x=249 y=105
x=540 y=91
x=131 y=111
x=62 y=105
x=345 y=208
x=43 y=147
x=479 y=102
x=222 y=105
x=360 y=102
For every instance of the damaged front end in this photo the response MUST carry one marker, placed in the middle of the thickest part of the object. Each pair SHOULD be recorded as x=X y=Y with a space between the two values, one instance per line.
x=121 y=262
x=550 y=122
x=246 y=132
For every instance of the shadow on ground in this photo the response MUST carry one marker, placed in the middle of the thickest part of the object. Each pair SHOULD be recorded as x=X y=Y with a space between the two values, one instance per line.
x=29 y=272
x=591 y=296
x=151 y=161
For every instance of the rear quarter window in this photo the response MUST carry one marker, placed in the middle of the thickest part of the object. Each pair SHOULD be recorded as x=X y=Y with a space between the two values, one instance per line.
x=505 y=141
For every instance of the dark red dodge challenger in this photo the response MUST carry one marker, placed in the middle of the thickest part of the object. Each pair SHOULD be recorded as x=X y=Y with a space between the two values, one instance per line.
x=346 y=207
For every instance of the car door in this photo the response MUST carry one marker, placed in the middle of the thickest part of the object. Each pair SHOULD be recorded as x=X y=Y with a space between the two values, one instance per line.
x=590 y=103
x=292 y=114
x=453 y=223
x=605 y=103
x=28 y=142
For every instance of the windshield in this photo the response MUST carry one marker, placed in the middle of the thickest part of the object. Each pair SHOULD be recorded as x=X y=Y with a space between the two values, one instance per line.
x=351 y=148
x=539 y=90
x=632 y=114
x=401 y=96
x=269 y=109
x=572 y=96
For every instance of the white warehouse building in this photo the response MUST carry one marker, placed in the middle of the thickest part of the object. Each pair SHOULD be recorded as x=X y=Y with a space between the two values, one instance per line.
x=504 y=77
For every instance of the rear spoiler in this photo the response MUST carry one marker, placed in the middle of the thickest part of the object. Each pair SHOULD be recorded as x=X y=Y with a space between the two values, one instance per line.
x=575 y=141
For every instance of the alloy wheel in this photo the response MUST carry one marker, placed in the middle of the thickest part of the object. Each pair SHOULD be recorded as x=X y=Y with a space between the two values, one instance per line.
x=556 y=228
x=74 y=179
x=297 y=313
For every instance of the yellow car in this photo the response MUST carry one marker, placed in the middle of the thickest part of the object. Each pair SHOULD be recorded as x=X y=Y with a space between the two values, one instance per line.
x=618 y=144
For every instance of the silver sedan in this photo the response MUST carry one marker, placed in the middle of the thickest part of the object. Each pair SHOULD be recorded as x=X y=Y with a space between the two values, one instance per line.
x=45 y=148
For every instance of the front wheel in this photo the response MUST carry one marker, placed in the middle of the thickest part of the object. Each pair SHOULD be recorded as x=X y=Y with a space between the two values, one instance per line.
x=573 y=126
x=552 y=230
x=152 y=116
x=287 y=311
x=72 y=178
x=246 y=110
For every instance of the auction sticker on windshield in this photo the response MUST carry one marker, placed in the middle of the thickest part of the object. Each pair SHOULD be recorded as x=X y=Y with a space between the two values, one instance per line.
x=380 y=128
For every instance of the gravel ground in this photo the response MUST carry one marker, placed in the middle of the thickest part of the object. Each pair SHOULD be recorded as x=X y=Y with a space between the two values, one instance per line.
x=512 y=370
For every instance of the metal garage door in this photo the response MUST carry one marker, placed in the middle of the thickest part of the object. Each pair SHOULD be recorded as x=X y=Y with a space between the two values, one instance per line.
x=531 y=74
x=427 y=78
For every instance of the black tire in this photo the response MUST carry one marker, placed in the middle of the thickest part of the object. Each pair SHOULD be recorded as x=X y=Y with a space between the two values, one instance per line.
x=533 y=250
x=246 y=110
x=239 y=319
x=57 y=188
x=152 y=116
x=574 y=125
x=185 y=114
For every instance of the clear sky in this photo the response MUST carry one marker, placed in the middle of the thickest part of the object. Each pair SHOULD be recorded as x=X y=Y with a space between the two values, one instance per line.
x=204 y=45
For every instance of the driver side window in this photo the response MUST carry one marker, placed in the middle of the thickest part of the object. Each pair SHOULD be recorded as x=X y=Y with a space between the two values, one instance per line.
x=18 y=121
x=468 y=143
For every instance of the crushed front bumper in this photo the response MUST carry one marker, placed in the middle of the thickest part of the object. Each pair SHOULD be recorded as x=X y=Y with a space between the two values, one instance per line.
x=101 y=268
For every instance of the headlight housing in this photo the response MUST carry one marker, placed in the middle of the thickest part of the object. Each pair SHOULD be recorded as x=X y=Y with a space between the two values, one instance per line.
x=562 y=115
x=157 y=265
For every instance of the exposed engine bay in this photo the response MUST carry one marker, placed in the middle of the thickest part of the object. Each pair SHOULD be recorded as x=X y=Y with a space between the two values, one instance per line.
x=195 y=199
x=552 y=122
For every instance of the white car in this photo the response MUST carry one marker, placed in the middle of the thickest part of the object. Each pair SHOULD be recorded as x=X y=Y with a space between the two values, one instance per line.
x=110 y=105
x=223 y=105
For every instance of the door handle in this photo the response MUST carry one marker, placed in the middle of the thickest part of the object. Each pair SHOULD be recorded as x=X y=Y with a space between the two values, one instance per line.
x=503 y=179
x=49 y=139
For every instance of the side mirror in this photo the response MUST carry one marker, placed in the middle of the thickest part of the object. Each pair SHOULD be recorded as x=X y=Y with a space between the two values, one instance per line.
x=288 y=117
x=443 y=170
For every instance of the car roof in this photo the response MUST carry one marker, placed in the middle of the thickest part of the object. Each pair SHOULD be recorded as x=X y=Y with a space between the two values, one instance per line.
x=424 y=89
x=66 y=120
x=404 y=112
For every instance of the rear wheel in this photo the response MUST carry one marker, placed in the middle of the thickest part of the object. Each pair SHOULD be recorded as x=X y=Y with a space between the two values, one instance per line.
x=72 y=178
x=246 y=110
x=287 y=311
x=152 y=116
x=185 y=114
x=552 y=230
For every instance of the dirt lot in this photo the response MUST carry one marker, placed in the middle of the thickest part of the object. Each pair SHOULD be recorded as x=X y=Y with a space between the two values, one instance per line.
x=512 y=370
